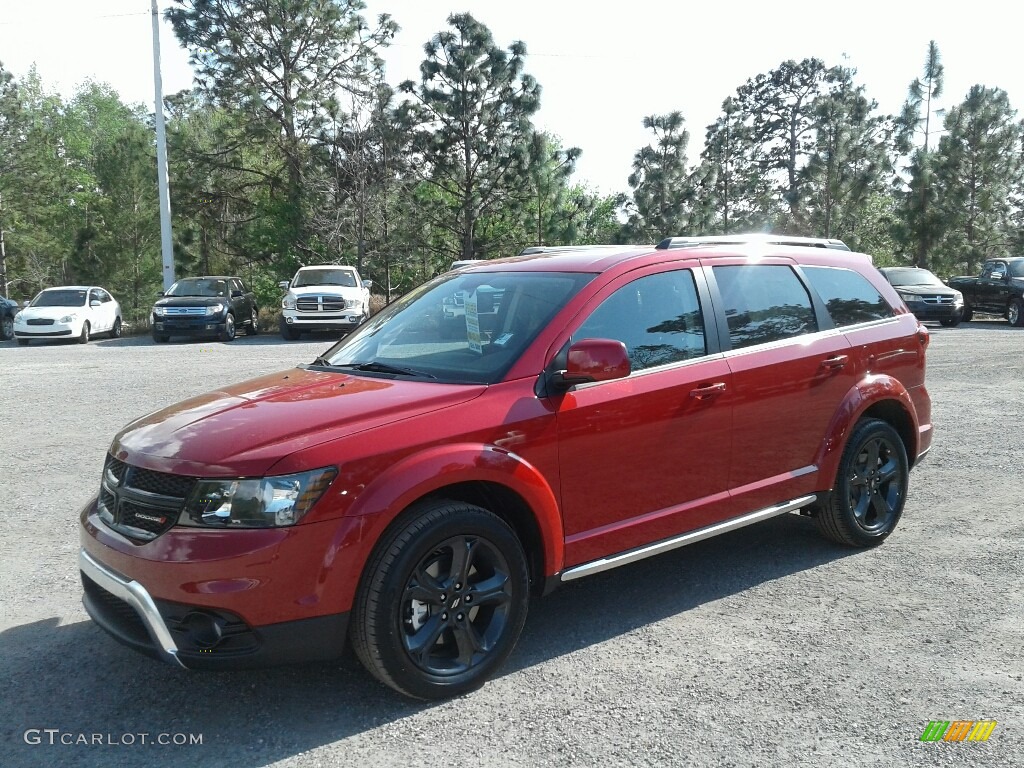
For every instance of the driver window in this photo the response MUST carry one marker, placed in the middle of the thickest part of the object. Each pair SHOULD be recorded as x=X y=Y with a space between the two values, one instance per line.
x=657 y=317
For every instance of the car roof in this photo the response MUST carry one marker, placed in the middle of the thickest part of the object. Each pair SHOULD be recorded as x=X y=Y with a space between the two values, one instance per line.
x=71 y=288
x=211 y=277
x=601 y=258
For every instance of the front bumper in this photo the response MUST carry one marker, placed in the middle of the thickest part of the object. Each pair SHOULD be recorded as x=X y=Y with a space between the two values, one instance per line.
x=936 y=312
x=198 y=326
x=311 y=322
x=54 y=331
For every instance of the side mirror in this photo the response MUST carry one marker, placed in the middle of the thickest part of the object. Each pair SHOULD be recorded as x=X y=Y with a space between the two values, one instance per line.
x=160 y=294
x=367 y=284
x=592 y=360
x=24 y=304
x=284 y=285
x=94 y=303
x=237 y=294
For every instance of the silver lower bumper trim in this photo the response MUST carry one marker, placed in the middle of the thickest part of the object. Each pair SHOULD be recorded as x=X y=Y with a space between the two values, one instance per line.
x=631 y=556
x=137 y=597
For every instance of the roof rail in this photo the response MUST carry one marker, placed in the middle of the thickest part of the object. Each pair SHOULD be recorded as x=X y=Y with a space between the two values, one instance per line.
x=766 y=238
x=535 y=249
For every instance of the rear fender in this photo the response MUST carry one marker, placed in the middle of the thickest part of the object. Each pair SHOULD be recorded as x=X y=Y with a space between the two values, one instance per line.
x=869 y=391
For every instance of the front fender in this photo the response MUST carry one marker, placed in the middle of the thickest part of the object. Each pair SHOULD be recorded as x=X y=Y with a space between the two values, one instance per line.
x=429 y=471
x=869 y=391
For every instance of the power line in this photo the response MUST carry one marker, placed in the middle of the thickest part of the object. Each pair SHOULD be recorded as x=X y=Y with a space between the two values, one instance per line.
x=69 y=19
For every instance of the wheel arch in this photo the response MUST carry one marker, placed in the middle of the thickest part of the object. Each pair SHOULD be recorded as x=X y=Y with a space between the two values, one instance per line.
x=489 y=477
x=879 y=397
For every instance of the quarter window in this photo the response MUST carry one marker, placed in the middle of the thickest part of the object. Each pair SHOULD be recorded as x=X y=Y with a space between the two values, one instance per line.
x=764 y=303
x=657 y=317
x=849 y=297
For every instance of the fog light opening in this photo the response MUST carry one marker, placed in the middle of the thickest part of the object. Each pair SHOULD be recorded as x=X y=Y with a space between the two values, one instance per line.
x=204 y=630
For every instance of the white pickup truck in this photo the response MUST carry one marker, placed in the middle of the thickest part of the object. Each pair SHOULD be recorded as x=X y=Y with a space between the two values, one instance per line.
x=326 y=297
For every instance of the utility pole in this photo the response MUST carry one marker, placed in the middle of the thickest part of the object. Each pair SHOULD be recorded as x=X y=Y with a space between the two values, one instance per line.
x=3 y=252
x=166 y=247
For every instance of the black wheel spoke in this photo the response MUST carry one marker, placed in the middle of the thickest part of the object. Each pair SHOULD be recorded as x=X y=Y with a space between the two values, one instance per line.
x=888 y=472
x=871 y=460
x=468 y=641
x=492 y=591
x=463 y=552
x=422 y=642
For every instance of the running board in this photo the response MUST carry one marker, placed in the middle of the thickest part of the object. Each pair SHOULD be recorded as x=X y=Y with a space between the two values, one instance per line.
x=631 y=556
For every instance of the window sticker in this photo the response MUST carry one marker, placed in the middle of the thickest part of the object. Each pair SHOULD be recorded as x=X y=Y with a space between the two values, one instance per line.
x=473 y=325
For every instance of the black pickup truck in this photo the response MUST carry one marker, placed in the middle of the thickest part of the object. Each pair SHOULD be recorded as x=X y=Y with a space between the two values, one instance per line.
x=999 y=290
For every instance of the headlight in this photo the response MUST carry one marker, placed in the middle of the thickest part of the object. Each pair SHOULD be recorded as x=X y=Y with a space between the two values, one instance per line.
x=214 y=309
x=69 y=318
x=911 y=297
x=288 y=302
x=159 y=311
x=260 y=502
x=354 y=304
x=958 y=298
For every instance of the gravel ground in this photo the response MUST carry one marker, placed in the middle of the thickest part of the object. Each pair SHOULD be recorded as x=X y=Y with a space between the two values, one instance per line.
x=766 y=646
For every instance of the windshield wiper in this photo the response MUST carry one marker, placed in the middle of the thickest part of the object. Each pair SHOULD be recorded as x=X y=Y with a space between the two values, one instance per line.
x=385 y=368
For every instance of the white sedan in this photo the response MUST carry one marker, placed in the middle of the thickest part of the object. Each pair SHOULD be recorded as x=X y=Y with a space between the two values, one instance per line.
x=68 y=312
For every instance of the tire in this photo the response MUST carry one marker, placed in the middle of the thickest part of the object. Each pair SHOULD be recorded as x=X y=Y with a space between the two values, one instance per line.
x=83 y=337
x=410 y=628
x=6 y=328
x=23 y=342
x=952 y=322
x=229 y=332
x=870 y=489
x=254 y=323
x=289 y=333
x=115 y=332
x=161 y=338
x=1015 y=313
x=968 y=313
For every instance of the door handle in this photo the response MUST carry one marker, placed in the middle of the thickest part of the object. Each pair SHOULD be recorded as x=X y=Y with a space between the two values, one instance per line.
x=708 y=390
x=834 y=363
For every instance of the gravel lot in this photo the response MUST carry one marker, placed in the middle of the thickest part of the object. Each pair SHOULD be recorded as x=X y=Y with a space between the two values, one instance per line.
x=767 y=646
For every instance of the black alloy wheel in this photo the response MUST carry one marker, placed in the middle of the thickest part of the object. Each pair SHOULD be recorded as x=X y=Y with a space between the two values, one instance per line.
x=442 y=602
x=870 y=488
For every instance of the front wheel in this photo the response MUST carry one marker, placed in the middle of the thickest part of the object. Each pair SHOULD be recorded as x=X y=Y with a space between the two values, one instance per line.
x=442 y=601
x=870 y=488
x=289 y=333
x=228 y=334
x=951 y=322
x=1015 y=313
x=7 y=328
x=968 y=313
x=83 y=337
x=115 y=332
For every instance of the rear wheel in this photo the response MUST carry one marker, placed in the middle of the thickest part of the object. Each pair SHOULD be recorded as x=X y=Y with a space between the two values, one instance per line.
x=254 y=323
x=442 y=601
x=7 y=328
x=1015 y=313
x=870 y=489
x=83 y=337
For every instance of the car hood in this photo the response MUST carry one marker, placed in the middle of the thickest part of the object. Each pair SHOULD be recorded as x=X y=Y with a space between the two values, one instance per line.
x=346 y=291
x=191 y=301
x=52 y=313
x=245 y=429
x=937 y=290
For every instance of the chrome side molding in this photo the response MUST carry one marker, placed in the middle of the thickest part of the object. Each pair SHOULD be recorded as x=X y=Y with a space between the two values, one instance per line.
x=632 y=555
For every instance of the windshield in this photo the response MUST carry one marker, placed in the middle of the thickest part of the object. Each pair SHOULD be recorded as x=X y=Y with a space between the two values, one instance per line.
x=912 y=276
x=196 y=286
x=344 y=277
x=465 y=328
x=1017 y=268
x=59 y=298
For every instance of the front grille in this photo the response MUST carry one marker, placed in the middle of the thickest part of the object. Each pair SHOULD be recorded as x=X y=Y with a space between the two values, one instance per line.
x=320 y=303
x=116 y=612
x=179 y=311
x=139 y=503
x=40 y=321
x=938 y=300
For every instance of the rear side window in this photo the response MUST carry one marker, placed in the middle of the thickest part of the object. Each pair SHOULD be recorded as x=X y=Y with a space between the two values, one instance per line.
x=764 y=303
x=848 y=295
x=657 y=317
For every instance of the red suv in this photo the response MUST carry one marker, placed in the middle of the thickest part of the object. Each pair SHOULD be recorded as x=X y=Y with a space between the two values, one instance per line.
x=411 y=488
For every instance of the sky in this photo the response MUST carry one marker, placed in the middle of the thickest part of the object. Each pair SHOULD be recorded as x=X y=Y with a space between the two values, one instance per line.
x=602 y=67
